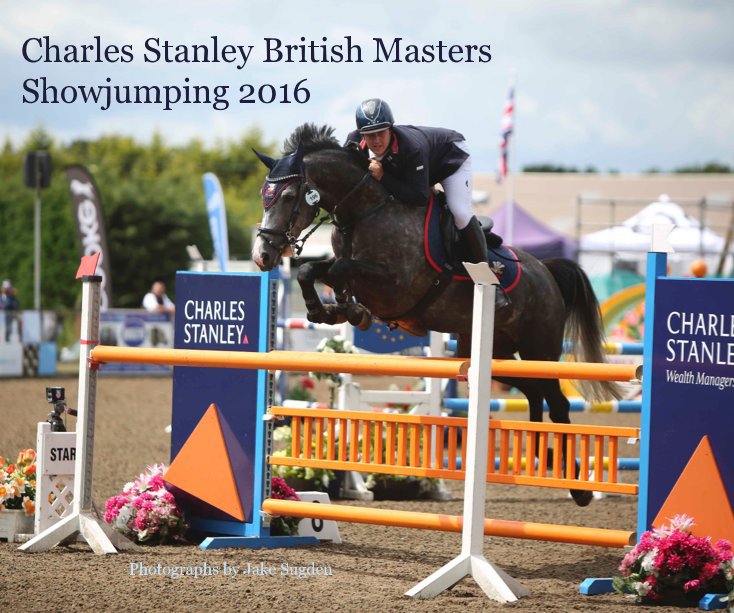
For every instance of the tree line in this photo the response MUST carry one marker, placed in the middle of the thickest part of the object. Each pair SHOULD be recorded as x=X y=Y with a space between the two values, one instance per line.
x=153 y=205
x=706 y=168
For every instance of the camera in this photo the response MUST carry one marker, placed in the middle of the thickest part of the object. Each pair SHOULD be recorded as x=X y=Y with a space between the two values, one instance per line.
x=55 y=394
x=57 y=397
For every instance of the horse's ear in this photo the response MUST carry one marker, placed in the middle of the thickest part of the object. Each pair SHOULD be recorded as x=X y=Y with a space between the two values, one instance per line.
x=298 y=153
x=268 y=161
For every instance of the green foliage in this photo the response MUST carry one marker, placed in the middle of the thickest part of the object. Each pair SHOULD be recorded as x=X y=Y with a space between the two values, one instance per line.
x=153 y=204
x=709 y=167
x=547 y=167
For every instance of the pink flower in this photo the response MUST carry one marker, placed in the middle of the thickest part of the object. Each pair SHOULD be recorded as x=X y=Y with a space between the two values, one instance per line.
x=148 y=506
x=140 y=522
x=282 y=491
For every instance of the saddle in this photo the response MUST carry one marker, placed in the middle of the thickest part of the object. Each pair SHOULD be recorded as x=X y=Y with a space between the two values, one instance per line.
x=453 y=246
x=446 y=252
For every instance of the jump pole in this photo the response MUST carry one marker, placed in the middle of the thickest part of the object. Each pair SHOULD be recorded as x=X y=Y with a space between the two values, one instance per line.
x=558 y=533
x=495 y=582
x=83 y=519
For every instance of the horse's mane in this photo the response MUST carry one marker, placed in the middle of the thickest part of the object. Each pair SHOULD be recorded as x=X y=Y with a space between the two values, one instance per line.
x=318 y=138
x=313 y=137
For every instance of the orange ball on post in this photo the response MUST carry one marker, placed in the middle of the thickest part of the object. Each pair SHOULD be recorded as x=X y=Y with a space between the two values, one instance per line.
x=699 y=268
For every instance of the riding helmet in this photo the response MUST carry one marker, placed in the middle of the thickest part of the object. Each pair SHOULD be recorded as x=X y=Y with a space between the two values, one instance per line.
x=374 y=115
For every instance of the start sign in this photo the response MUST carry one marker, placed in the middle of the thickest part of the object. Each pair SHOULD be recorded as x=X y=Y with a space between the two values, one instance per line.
x=60 y=453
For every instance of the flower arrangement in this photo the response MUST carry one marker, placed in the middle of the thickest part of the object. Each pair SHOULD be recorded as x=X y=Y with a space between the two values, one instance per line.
x=283 y=526
x=302 y=390
x=631 y=327
x=670 y=561
x=335 y=344
x=145 y=511
x=18 y=482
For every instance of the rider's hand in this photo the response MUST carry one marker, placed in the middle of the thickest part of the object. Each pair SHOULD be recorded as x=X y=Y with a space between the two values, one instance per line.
x=376 y=170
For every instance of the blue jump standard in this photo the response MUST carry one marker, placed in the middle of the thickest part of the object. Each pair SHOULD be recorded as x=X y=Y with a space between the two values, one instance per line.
x=230 y=538
x=594 y=587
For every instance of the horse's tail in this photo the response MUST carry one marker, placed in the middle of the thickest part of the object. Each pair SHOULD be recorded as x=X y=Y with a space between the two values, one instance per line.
x=584 y=327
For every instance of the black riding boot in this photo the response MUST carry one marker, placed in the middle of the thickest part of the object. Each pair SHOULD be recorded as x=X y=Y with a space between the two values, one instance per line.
x=476 y=243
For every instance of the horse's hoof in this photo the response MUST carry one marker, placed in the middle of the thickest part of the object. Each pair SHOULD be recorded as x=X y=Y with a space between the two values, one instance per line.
x=582 y=497
x=359 y=317
x=316 y=317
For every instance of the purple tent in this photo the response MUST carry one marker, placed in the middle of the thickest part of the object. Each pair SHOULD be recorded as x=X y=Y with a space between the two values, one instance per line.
x=532 y=236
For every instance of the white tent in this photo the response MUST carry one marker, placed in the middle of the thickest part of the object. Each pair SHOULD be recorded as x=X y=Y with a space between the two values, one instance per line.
x=633 y=235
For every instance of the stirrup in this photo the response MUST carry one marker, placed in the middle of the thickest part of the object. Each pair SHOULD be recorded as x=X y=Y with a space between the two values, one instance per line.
x=501 y=299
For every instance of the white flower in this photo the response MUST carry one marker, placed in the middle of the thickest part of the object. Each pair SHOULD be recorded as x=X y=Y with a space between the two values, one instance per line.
x=282 y=433
x=648 y=561
x=641 y=588
x=123 y=517
x=322 y=344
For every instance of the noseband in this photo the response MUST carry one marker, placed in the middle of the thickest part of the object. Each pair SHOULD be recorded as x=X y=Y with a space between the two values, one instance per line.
x=307 y=194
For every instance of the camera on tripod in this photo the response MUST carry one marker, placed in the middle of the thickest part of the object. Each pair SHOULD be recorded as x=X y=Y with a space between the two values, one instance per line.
x=57 y=397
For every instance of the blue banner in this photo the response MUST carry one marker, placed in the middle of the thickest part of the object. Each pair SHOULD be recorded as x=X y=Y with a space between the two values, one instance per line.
x=692 y=377
x=224 y=312
x=217 y=219
x=135 y=328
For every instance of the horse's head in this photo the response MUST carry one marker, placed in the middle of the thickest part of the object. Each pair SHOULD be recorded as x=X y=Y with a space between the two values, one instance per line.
x=289 y=207
x=293 y=192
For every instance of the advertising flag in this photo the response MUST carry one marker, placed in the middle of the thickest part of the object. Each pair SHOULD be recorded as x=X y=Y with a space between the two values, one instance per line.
x=217 y=219
x=87 y=207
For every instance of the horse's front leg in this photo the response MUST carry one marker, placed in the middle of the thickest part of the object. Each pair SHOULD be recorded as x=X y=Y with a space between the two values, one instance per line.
x=342 y=271
x=316 y=311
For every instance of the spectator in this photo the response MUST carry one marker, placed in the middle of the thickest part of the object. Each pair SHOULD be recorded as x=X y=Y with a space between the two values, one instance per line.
x=156 y=301
x=9 y=303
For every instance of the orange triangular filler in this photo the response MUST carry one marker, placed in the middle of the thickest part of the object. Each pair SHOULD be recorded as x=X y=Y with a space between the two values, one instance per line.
x=202 y=467
x=700 y=493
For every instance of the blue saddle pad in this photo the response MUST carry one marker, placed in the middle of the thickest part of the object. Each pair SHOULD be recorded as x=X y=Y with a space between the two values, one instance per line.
x=502 y=260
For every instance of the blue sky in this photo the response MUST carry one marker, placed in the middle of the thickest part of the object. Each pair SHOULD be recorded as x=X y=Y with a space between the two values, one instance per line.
x=616 y=84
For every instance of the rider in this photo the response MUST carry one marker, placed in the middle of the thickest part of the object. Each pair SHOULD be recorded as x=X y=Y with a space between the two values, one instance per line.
x=409 y=160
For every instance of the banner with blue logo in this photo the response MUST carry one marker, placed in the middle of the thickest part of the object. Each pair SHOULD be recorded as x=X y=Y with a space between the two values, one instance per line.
x=135 y=328
x=692 y=380
x=217 y=219
x=223 y=312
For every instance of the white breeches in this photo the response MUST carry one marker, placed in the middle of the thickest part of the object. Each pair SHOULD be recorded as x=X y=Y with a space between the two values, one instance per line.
x=458 y=188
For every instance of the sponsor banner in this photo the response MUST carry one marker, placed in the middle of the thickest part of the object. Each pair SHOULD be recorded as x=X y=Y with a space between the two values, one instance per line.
x=87 y=207
x=217 y=219
x=135 y=328
x=223 y=312
x=692 y=380
x=39 y=328
x=11 y=359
